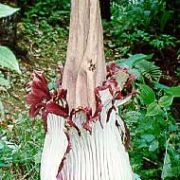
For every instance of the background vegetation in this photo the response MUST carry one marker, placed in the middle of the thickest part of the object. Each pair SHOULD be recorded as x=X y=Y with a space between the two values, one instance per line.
x=142 y=35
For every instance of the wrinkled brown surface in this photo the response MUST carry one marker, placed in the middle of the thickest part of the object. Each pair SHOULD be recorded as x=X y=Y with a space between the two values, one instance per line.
x=85 y=63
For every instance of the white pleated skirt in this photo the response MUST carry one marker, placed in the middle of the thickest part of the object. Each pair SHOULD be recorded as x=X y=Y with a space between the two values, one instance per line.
x=99 y=155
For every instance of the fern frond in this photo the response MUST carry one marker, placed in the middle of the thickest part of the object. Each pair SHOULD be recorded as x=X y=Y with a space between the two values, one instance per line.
x=149 y=70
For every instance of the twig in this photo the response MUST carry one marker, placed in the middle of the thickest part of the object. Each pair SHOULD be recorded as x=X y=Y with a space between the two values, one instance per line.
x=150 y=161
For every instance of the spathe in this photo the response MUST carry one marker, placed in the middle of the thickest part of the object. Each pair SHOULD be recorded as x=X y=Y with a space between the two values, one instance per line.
x=86 y=145
x=85 y=138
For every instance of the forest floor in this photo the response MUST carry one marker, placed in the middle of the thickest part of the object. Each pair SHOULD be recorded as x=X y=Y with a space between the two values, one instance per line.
x=38 y=48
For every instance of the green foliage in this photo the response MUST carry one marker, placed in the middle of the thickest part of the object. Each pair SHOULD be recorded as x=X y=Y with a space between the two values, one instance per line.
x=134 y=59
x=21 y=141
x=147 y=95
x=52 y=11
x=171 y=157
x=142 y=14
x=141 y=67
x=142 y=23
x=173 y=91
x=166 y=101
x=163 y=41
x=8 y=60
x=151 y=126
x=155 y=151
x=49 y=43
x=46 y=24
x=149 y=70
x=20 y=149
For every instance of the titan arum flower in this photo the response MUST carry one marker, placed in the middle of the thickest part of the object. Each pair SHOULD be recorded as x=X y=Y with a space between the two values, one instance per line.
x=85 y=137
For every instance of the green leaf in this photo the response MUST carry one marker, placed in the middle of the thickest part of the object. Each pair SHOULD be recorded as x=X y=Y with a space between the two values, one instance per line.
x=130 y=62
x=149 y=70
x=3 y=165
x=7 y=10
x=154 y=146
x=174 y=91
x=148 y=137
x=167 y=167
x=147 y=94
x=133 y=116
x=160 y=86
x=166 y=101
x=153 y=109
x=145 y=68
x=8 y=59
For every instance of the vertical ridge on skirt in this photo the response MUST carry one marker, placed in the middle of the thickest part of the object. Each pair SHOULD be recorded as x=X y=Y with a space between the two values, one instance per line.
x=54 y=147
